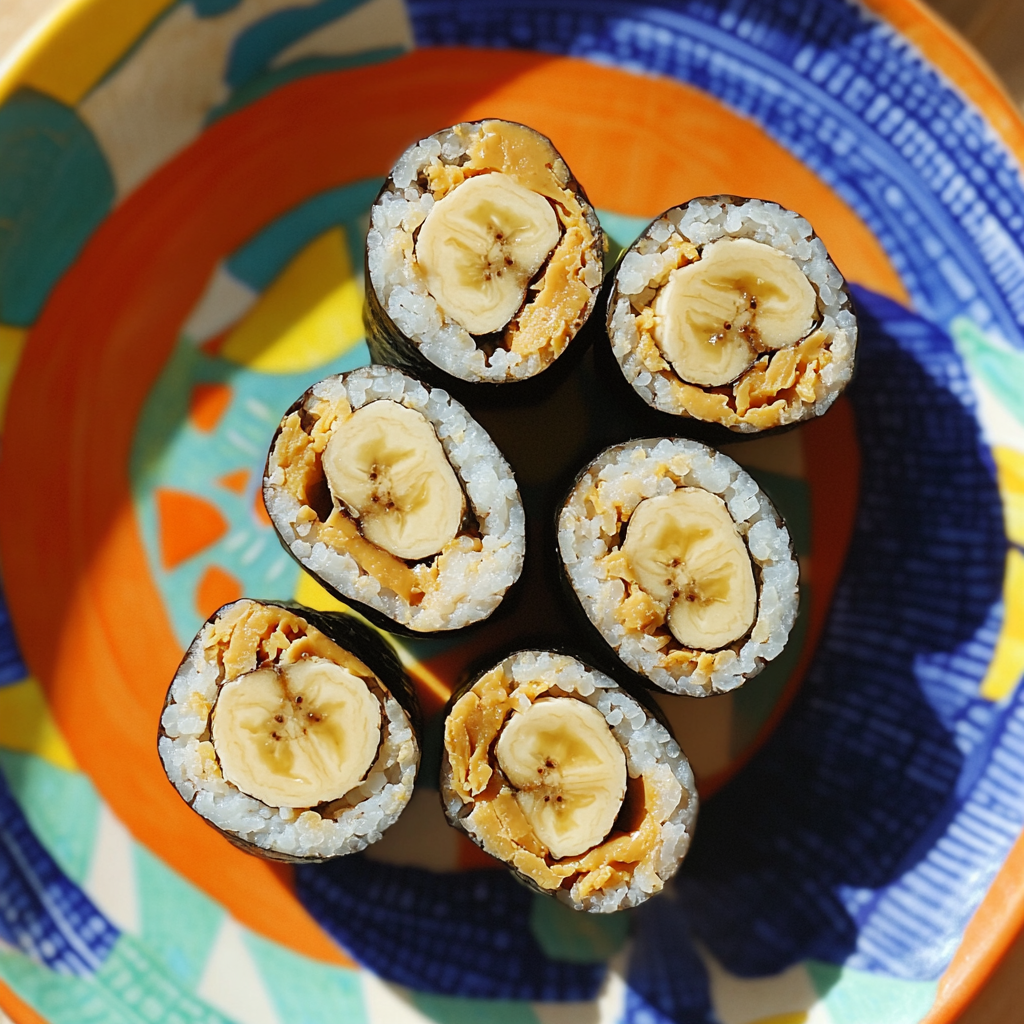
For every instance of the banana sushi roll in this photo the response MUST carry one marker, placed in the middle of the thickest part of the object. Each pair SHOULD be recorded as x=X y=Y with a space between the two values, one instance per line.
x=575 y=784
x=484 y=257
x=681 y=563
x=294 y=733
x=397 y=501
x=729 y=311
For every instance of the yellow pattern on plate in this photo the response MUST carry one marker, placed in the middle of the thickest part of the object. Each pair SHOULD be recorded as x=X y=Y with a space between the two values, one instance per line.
x=1010 y=467
x=27 y=725
x=61 y=66
x=1007 y=665
x=310 y=315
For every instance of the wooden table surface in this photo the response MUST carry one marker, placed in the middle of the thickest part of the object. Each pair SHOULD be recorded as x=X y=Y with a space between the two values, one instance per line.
x=994 y=29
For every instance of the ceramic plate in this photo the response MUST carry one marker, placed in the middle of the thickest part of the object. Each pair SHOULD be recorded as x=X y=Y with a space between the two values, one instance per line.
x=183 y=197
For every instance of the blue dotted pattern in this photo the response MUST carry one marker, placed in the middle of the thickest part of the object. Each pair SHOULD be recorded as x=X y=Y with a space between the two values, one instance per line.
x=462 y=934
x=42 y=912
x=842 y=92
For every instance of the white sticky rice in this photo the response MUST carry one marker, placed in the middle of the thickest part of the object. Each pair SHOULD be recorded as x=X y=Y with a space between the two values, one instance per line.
x=644 y=268
x=355 y=821
x=470 y=584
x=400 y=286
x=625 y=475
x=651 y=752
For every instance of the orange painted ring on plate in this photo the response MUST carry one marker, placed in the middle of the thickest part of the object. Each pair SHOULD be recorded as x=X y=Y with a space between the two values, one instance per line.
x=1002 y=913
x=113 y=319
x=16 y=1008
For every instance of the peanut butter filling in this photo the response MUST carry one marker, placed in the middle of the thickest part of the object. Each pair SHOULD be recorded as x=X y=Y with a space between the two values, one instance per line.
x=761 y=394
x=251 y=635
x=499 y=825
x=558 y=302
x=298 y=719
x=638 y=611
x=298 y=454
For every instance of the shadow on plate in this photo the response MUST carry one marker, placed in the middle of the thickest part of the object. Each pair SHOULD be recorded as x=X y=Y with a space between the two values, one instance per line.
x=855 y=785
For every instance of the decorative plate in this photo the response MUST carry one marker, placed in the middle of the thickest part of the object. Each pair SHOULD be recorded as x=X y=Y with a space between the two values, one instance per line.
x=183 y=194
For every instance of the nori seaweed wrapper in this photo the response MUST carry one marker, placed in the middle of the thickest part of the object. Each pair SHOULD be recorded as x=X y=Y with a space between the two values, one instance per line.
x=494 y=512
x=766 y=396
x=480 y=372
x=634 y=818
x=354 y=637
x=766 y=542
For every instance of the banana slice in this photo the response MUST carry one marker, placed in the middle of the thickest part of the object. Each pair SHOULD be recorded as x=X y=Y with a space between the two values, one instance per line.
x=481 y=245
x=685 y=551
x=297 y=737
x=716 y=314
x=387 y=465
x=568 y=770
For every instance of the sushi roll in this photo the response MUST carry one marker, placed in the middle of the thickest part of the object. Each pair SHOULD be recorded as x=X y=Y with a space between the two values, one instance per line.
x=296 y=734
x=681 y=564
x=729 y=311
x=575 y=784
x=484 y=257
x=397 y=501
